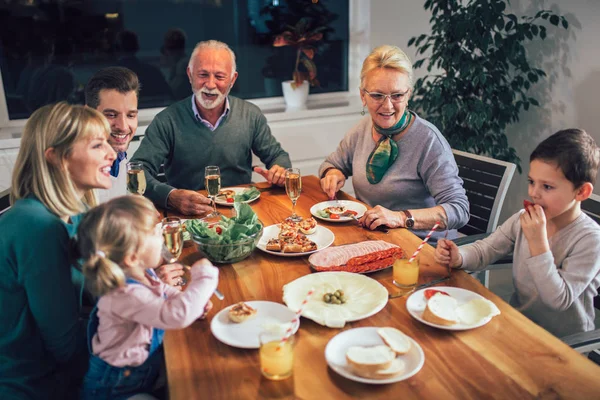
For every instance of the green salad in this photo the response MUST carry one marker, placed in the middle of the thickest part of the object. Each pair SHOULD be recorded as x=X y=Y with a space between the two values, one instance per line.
x=248 y=194
x=239 y=231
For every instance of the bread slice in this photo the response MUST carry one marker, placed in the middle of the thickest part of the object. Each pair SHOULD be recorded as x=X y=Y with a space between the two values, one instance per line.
x=395 y=339
x=441 y=310
x=366 y=361
x=398 y=366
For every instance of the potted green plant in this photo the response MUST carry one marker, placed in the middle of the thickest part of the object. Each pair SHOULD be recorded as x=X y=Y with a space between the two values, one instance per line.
x=485 y=72
x=303 y=38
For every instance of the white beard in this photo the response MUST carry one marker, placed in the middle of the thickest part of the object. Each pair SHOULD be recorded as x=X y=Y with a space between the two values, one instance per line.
x=210 y=104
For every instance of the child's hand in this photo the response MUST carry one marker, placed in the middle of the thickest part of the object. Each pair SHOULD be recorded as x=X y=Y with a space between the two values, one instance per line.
x=446 y=253
x=207 y=308
x=170 y=274
x=533 y=224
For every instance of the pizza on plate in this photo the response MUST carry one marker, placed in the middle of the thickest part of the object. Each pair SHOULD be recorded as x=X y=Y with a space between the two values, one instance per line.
x=226 y=195
x=292 y=237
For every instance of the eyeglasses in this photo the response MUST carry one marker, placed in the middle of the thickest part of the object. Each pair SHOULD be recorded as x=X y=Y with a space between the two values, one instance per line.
x=380 y=97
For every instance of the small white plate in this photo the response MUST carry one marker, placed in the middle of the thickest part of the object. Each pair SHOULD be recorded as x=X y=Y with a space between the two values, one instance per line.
x=323 y=238
x=335 y=354
x=245 y=335
x=416 y=303
x=237 y=190
x=350 y=205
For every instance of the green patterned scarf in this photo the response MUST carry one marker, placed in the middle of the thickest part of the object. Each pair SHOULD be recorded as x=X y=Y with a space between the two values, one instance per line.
x=386 y=151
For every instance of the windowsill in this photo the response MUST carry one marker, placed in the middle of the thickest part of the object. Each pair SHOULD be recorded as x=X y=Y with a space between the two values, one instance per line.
x=319 y=105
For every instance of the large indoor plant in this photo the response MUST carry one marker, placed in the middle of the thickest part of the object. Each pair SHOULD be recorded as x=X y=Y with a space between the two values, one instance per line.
x=479 y=72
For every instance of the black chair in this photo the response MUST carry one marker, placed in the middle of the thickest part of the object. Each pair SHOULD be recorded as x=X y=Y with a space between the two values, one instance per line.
x=4 y=201
x=486 y=182
x=588 y=342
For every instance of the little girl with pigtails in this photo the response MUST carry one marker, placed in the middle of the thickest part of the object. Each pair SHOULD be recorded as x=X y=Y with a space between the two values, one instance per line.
x=120 y=244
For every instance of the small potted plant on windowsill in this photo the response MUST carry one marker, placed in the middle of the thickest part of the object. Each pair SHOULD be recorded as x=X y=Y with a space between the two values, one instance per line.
x=303 y=38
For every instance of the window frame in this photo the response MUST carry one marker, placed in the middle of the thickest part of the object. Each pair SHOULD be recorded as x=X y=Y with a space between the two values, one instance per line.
x=358 y=49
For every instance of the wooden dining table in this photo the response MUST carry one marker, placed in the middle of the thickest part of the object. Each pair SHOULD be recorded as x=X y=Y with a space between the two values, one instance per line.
x=508 y=358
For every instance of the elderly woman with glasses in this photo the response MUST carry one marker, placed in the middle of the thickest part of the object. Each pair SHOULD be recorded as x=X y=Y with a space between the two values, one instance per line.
x=401 y=164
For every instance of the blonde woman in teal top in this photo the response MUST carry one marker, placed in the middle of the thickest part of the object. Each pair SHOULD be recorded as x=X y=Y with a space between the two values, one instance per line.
x=64 y=155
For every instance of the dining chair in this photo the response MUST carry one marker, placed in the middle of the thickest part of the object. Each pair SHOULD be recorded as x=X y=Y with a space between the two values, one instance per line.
x=486 y=181
x=588 y=342
x=4 y=201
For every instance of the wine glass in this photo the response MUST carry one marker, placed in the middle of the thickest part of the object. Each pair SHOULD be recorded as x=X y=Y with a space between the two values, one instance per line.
x=293 y=188
x=136 y=179
x=212 y=183
x=172 y=231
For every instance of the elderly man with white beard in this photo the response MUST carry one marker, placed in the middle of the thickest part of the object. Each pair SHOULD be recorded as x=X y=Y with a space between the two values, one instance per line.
x=210 y=128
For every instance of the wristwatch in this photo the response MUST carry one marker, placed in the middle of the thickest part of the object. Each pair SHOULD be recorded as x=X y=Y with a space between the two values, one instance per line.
x=409 y=222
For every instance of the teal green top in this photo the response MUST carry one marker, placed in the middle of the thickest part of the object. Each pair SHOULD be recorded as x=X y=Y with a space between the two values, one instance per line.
x=185 y=145
x=40 y=335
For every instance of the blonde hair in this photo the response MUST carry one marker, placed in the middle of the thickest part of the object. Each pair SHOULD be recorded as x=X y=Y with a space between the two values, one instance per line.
x=107 y=234
x=387 y=56
x=216 y=45
x=58 y=126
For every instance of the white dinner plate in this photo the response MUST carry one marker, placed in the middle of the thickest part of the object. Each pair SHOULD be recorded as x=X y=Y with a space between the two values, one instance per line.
x=237 y=190
x=245 y=334
x=335 y=354
x=323 y=238
x=416 y=303
x=364 y=297
x=350 y=205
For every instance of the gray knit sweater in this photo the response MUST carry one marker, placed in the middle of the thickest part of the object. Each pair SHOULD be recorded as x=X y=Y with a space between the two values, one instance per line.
x=556 y=289
x=424 y=174
x=186 y=146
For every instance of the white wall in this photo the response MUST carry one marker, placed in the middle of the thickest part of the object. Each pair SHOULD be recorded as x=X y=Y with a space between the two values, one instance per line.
x=568 y=97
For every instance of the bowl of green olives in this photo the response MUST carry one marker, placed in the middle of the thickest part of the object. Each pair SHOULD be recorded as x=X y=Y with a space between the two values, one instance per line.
x=336 y=297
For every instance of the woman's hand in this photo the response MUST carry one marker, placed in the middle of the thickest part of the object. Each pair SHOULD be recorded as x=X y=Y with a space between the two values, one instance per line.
x=446 y=253
x=382 y=216
x=533 y=223
x=170 y=274
x=332 y=182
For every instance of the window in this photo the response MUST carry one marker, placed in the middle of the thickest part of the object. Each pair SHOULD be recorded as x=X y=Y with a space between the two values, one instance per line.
x=50 y=48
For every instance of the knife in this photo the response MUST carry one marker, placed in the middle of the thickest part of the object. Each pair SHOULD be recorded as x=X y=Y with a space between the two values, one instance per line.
x=218 y=294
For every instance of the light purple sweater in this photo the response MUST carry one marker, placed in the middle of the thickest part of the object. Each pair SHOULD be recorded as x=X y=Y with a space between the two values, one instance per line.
x=424 y=174
x=127 y=315
x=556 y=289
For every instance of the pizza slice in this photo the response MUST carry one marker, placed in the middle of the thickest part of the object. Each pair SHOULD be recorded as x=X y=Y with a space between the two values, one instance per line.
x=226 y=195
x=274 y=245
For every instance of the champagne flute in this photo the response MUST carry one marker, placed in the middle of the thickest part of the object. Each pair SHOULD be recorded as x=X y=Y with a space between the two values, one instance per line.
x=172 y=232
x=136 y=179
x=293 y=188
x=212 y=183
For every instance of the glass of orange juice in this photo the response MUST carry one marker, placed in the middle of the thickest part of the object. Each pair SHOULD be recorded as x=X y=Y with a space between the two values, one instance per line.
x=406 y=274
x=276 y=357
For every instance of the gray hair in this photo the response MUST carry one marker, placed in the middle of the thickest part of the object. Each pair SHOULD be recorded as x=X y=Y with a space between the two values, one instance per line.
x=387 y=56
x=213 y=44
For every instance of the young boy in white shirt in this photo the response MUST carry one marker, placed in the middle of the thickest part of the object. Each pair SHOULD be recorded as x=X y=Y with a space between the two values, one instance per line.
x=556 y=261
